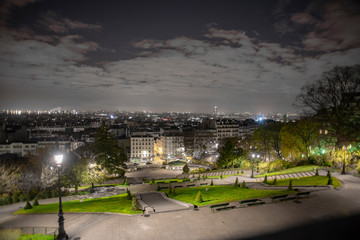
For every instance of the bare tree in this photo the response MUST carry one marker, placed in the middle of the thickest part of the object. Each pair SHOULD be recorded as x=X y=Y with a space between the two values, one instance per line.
x=335 y=100
x=8 y=178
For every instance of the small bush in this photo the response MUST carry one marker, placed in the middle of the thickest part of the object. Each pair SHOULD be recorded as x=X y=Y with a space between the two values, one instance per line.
x=290 y=188
x=211 y=183
x=243 y=185
x=199 y=198
x=158 y=188
x=28 y=205
x=317 y=172
x=236 y=184
x=134 y=204
x=275 y=181
x=128 y=196
x=35 y=202
x=170 y=190
x=330 y=182
x=265 y=179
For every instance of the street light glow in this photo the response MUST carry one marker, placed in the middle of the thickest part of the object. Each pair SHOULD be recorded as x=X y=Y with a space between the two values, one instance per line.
x=58 y=159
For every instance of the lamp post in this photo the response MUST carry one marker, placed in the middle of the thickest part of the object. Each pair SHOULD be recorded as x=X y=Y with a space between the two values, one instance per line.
x=62 y=234
x=252 y=166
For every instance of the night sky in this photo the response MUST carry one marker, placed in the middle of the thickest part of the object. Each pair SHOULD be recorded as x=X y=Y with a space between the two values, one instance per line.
x=170 y=55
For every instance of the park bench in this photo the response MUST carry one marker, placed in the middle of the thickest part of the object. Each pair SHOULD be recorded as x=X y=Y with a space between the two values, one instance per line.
x=220 y=205
x=303 y=194
x=248 y=201
x=190 y=185
x=278 y=197
x=225 y=208
x=201 y=184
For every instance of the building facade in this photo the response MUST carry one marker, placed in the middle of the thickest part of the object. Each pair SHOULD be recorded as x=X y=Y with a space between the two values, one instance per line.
x=142 y=149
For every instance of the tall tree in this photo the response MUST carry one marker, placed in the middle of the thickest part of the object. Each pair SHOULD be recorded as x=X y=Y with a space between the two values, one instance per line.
x=107 y=154
x=335 y=99
x=231 y=154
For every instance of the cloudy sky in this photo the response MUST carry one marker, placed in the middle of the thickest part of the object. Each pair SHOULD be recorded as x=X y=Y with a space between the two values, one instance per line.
x=170 y=55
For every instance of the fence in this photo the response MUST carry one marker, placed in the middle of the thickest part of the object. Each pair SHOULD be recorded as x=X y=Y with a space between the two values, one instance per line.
x=40 y=230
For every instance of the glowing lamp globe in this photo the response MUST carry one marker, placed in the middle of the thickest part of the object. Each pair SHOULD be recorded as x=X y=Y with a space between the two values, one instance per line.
x=58 y=159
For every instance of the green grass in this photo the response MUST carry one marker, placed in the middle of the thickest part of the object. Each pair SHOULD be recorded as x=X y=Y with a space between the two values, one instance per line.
x=291 y=170
x=314 y=180
x=167 y=180
x=103 y=185
x=224 y=176
x=114 y=204
x=36 y=237
x=221 y=194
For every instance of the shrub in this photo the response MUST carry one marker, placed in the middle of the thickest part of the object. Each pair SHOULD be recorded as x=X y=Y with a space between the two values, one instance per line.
x=317 y=172
x=236 y=184
x=170 y=190
x=265 y=179
x=28 y=205
x=328 y=173
x=199 y=198
x=134 y=204
x=35 y=202
x=290 y=188
x=153 y=180
x=243 y=185
x=128 y=196
x=221 y=176
x=212 y=183
x=275 y=181
x=158 y=188
x=174 y=192
x=125 y=182
x=330 y=182
x=186 y=169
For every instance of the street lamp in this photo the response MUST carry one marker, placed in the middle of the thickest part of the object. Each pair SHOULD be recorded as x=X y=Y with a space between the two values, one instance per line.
x=62 y=234
x=252 y=166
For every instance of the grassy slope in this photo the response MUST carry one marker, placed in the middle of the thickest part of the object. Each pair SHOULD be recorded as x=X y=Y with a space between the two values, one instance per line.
x=314 y=180
x=291 y=170
x=220 y=194
x=115 y=204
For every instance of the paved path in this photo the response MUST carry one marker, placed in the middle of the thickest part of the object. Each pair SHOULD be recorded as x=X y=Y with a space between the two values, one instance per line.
x=322 y=206
x=161 y=203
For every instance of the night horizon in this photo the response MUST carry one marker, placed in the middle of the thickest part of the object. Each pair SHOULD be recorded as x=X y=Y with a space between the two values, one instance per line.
x=161 y=56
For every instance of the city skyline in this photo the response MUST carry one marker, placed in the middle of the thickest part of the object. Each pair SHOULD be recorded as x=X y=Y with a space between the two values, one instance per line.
x=158 y=56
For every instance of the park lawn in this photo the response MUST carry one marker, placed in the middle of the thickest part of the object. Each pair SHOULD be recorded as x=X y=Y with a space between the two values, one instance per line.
x=114 y=204
x=224 y=176
x=221 y=194
x=313 y=180
x=168 y=181
x=36 y=237
x=102 y=185
x=291 y=170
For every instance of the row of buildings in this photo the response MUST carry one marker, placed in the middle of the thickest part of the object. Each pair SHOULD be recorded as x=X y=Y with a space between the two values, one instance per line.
x=143 y=141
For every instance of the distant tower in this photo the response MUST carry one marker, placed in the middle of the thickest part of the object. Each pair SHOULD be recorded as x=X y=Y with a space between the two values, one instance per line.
x=215 y=110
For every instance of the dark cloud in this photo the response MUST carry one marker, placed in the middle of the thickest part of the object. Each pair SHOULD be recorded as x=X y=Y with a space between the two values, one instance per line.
x=231 y=65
